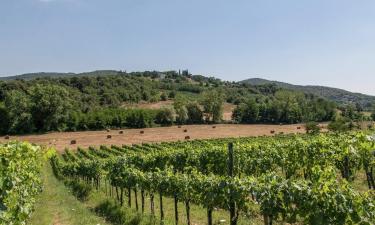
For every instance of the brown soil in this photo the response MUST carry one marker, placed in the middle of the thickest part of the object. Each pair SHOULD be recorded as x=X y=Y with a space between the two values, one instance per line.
x=151 y=105
x=62 y=140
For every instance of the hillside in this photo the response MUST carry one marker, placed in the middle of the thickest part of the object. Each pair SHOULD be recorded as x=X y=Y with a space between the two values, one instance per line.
x=334 y=94
x=30 y=76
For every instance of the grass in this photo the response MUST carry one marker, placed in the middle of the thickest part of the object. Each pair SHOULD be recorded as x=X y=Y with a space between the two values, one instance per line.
x=198 y=214
x=57 y=206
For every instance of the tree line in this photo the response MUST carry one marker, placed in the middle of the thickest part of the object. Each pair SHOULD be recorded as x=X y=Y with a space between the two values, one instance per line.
x=97 y=102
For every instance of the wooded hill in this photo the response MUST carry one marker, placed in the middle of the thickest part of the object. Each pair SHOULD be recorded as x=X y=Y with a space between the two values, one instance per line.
x=97 y=100
x=337 y=95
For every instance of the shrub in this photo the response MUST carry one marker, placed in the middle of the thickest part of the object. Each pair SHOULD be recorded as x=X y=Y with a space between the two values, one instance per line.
x=194 y=113
x=172 y=94
x=112 y=212
x=163 y=97
x=116 y=214
x=140 y=118
x=339 y=125
x=164 y=117
x=312 y=128
x=80 y=190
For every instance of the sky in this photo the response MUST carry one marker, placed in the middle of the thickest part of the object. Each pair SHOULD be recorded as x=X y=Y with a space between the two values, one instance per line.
x=311 y=42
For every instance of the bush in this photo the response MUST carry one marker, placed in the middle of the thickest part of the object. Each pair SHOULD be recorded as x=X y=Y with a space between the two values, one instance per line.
x=164 y=117
x=163 y=97
x=80 y=190
x=312 y=128
x=339 y=125
x=116 y=214
x=194 y=113
x=140 y=118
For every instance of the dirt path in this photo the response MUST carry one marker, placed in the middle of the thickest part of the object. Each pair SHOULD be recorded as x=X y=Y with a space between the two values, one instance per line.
x=62 y=140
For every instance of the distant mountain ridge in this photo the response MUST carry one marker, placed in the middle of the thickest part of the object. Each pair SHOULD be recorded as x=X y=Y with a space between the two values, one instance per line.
x=30 y=76
x=334 y=94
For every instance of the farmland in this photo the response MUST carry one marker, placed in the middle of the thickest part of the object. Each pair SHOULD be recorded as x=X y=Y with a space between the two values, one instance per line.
x=62 y=140
x=187 y=112
x=280 y=179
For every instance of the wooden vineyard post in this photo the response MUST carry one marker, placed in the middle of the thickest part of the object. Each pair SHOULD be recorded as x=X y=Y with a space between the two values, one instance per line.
x=232 y=203
x=176 y=209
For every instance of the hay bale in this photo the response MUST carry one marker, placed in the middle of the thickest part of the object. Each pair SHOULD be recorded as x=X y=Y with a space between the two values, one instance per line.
x=272 y=132
x=121 y=132
x=73 y=142
x=108 y=130
x=185 y=130
x=298 y=128
x=142 y=132
x=213 y=127
x=179 y=126
x=7 y=137
x=109 y=136
x=187 y=137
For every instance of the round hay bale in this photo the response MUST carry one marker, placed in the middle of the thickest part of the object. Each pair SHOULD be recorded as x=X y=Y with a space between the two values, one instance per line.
x=213 y=127
x=7 y=137
x=187 y=137
x=179 y=126
x=121 y=132
x=73 y=142
x=298 y=128
x=272 y=132
x=109 y=136
x=142 y=132
x=185 y=130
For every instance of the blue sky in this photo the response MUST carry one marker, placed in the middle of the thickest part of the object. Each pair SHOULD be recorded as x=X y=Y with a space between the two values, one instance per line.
x=326 y=42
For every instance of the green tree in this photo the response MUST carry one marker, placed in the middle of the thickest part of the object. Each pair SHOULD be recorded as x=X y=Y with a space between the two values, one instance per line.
x=50 y=108
x=289 y=104
x=194 y=112
x=18 y=106
x=165 y=117
x=373 y=113
x=247 y=112
x=212 y=102
x=4 y=119
x=179 y=105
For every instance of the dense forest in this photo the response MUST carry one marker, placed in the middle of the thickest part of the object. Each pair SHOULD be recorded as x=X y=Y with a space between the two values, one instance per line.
x=92 y=101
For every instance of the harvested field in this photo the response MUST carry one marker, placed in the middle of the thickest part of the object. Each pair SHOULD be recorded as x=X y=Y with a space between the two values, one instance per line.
x=62 y=140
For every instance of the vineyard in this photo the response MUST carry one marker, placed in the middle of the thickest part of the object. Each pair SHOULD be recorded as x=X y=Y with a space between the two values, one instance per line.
x=20 y=182
x=296 y=179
